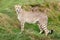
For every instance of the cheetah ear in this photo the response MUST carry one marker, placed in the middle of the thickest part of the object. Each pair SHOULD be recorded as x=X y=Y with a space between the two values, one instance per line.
x=18 y=6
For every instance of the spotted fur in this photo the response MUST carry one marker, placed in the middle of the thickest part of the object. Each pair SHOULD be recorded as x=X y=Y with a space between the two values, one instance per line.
x=32 y=17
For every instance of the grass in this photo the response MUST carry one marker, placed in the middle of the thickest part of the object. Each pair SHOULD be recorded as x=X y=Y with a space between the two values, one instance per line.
x=9 y=25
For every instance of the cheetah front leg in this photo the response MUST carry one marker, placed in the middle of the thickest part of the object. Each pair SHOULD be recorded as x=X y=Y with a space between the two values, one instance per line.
x=22 y=27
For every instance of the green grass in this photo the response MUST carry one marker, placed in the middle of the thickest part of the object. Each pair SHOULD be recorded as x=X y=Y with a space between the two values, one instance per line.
x=9 y=25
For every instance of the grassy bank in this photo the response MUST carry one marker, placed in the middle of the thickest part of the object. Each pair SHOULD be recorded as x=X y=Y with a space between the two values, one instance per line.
x=9 y=25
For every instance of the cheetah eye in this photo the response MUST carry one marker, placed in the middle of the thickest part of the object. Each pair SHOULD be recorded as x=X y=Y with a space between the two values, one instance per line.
x=18 y=11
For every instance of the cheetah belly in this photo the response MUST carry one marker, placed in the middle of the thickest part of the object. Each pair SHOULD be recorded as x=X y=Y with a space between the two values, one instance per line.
x=31 y=20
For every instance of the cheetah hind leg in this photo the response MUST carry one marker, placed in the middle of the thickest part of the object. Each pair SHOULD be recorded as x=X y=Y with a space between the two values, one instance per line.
x=41 y=32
